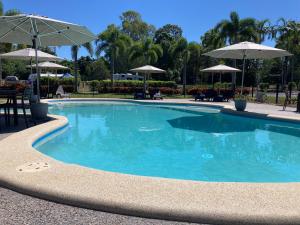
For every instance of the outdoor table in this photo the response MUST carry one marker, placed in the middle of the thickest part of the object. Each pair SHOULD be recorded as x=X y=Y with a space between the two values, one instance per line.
x=11 y=94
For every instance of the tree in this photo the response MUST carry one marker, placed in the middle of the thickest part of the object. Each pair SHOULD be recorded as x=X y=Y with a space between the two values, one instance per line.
x=135 y=27
x=180 y=51
x=193 y=67
x=97 y=70
x=166 y=36
x=168 y=32
x=288 y=37
x=212 y=39
x=146 y=51
x=236 y=30
x=74 y=50
x=112 y=42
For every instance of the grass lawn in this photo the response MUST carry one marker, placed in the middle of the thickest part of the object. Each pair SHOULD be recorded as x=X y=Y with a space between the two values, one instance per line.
x=269 y=100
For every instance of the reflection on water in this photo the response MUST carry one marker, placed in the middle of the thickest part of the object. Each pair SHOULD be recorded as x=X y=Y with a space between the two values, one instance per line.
x=173 y=142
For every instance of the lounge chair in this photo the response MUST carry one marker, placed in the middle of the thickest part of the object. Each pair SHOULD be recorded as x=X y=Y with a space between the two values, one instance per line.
x=199 y=97
x=158 y=96
x=139 y=95
x=60 y=93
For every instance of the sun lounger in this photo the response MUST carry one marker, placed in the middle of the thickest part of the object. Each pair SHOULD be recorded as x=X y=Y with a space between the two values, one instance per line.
x=60 y=93
x=158 y=96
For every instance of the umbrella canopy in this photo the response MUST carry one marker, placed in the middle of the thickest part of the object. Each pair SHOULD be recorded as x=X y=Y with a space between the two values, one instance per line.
x=220 y=69
x=29 y=54
x=42 y=31
x=247 y=50
x=67 y=75
x=147 y=69
x=50 y=65
x=23 y=28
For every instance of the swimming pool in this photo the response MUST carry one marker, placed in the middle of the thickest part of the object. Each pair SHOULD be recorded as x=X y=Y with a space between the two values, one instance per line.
x=175 y=141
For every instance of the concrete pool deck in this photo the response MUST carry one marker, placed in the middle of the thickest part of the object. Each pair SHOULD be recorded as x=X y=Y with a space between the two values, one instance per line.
x=26 y=170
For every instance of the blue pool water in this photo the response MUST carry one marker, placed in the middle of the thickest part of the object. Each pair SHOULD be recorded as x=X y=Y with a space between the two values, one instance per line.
x=173 y=141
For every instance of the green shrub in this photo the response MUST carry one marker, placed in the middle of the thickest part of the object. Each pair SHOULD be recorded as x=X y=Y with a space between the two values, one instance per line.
x=94 y=84
x=292 y=85
x=137 y=83
x=263 y=86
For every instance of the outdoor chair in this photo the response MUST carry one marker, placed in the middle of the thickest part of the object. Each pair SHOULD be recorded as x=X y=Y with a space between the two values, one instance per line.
x=200 y=97
x=158 y=96
x=25 y=103
x=139 y=95
x=218 y=98
x=5 y=107
x=60 y=93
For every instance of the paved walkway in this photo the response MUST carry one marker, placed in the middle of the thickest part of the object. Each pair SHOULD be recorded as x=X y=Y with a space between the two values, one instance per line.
x=251 y=107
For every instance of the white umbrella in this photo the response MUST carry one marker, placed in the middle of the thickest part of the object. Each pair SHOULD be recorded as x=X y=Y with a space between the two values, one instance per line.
x=220 y=69
x=247 y=50
x=28 y=54
x=147 y=69
x=50 y=65
x=41 y=31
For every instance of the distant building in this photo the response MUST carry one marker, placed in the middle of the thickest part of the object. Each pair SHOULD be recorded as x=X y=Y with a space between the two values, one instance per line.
x=127 y=76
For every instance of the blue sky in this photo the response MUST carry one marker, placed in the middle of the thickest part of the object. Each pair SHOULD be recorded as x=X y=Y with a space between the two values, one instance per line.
x=194 y=16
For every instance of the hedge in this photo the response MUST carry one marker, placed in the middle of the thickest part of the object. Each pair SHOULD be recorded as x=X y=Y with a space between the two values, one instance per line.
x=136 y=83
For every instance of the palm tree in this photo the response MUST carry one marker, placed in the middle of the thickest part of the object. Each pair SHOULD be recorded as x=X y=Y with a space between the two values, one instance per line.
x=112 y=42
x=181 y=51
x=263 y=30
x=287 y=34
x=195 y=50
x=236 y=30
x=74 y=50
x=146 y=51
x=212 y=39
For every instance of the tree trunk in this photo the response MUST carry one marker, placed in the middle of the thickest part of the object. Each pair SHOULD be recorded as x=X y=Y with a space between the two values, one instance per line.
x=76 y=72
x=234 y=76
x=112 y=69
x=0 y=70
x=184 y=76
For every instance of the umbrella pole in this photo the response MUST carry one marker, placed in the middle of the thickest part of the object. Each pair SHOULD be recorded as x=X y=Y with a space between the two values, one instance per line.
x=145 y=85
x=243 y=75
x=37 y=69
x=0 y=70
x=31 y=66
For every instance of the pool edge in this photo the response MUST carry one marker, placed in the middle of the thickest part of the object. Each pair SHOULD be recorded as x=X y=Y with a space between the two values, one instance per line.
x=213 y=202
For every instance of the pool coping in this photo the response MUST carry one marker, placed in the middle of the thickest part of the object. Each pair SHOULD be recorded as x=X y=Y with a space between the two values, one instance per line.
x=192 y=201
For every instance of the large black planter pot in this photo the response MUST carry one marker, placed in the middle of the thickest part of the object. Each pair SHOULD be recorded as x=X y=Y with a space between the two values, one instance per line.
x=240 y=104
x=39 y=111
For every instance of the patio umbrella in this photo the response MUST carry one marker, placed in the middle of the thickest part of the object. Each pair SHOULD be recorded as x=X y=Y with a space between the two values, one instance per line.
x=50 y=65
x=147 y=70
x=247 y=50
x=67 y=75
x=220 y=69
x=29 y=54
x=41 y=31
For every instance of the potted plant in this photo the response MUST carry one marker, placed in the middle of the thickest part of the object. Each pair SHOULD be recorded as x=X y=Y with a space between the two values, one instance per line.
x=240 y=102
